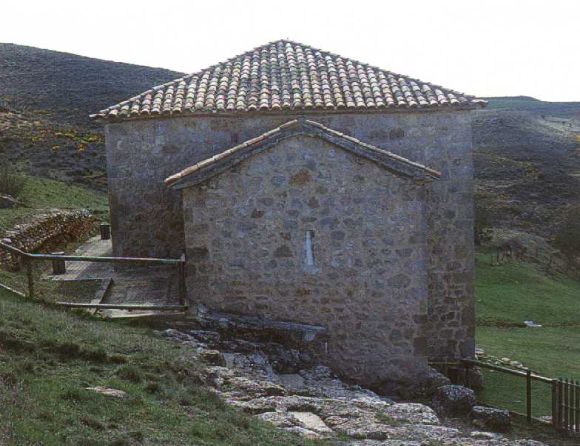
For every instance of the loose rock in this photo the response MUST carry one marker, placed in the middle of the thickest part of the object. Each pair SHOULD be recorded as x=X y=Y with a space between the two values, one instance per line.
x=491 y=418
x=115 y=393
x=213 y=357
x=7 y=202
x=454 y=400
x=282 y=386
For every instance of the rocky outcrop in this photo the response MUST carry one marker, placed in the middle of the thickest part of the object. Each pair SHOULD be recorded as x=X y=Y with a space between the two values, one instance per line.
x=283 y=386
x=45 y=229
x=7 y=201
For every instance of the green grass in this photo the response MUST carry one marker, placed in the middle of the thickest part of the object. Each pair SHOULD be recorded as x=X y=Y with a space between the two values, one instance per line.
x=42 y=193
x=506 y=296
x=551 y=352
x=48 y=357
x=515 y=292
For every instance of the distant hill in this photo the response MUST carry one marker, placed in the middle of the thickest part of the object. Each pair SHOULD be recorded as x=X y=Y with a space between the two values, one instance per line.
x=529 y=104
x=527 y=151
x=45 y=101
x=66 y=87
x=527 y=161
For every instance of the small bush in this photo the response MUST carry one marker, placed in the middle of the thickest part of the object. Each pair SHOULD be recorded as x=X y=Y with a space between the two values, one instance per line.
x=137 y=436
x=483 y=218
x=11 y=183
x=121 y=441
x=93 y=423
x=98 y=355
x=118 y=359
x=66 y=350
x=185 y=400
x=73 y=394
x=152 y=387
x=130 y=373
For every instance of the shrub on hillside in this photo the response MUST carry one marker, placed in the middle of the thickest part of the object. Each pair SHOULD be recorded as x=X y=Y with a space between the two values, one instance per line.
x=568 y=237
x=483 y=218
x=11 y=183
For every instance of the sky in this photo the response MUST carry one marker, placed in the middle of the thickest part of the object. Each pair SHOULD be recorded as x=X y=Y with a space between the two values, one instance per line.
x=485 y=48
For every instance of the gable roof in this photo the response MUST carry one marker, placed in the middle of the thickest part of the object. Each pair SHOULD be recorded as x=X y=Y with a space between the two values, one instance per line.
x=221 y=162
x=287 y=76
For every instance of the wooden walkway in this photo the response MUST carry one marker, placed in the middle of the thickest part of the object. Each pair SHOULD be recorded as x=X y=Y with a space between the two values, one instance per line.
x=121 y=284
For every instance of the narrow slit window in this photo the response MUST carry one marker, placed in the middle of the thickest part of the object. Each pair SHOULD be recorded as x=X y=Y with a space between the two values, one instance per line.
x=308 y=248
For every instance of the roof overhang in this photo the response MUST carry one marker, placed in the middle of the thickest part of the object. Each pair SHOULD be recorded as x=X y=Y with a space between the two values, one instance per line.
x=217 y=164
x=109 y=119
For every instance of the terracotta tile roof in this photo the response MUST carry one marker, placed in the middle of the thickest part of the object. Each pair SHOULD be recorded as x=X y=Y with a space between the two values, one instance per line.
x=287 y=76
x=221 y=162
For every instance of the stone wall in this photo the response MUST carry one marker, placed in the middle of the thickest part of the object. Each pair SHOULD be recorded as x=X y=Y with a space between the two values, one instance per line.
x=363 y=276
x=46 y=229
x=146 y=217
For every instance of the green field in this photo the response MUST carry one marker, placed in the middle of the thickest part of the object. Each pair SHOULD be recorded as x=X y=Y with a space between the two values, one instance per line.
x=506 y=296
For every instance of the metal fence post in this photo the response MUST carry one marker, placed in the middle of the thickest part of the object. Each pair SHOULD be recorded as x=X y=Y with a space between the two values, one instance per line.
x=30 y=276
x=566 y=404
x=560 y=402
x=577 y=408
x=529 y=395
x=58 y=266
x=555 y=404
x=105 y=231
x=181 y=279
x=572 y=407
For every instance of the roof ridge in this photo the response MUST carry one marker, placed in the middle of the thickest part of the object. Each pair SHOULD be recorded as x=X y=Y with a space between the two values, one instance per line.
x=330 y=53
x=374 y=67
x=287 y=75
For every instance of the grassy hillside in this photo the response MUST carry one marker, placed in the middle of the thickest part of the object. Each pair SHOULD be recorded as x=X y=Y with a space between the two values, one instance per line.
x=509 y=294
x=527 y=162
x=41 y=193
x=49 y=357
x=506 y=296
x=38 y=146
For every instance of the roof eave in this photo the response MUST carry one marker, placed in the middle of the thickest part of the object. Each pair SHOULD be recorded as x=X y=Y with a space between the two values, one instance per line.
x=106 y=119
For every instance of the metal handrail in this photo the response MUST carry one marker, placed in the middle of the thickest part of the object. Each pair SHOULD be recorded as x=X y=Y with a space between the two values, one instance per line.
x=527 y=374
x=515 y=372
x=149 y=260
x=30 y=257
